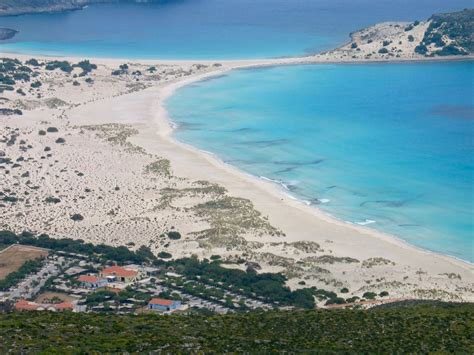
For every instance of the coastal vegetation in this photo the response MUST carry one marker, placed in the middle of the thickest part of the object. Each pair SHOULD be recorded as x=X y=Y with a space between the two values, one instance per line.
x=399 y=328
x=267 y=287
x=30 y=266
x=450 y=34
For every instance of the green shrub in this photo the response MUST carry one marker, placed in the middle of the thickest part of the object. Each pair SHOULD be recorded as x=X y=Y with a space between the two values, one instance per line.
x=174 y=235
x=51 y=199
x=450 y=50
x=33 y=62
x=369 y=295
x=64 y=66
x=421 y=49
x=164 y=255
x=77 y=217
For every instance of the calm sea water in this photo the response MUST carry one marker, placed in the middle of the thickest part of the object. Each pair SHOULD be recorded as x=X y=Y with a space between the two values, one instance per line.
x=210 y=29
x=384 y=145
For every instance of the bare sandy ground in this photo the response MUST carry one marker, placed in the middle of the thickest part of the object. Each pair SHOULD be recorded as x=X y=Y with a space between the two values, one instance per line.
x=123 y=172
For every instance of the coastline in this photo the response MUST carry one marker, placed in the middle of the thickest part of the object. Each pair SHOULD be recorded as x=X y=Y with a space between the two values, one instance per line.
x=323 y=58
x=165 y=130
x=145 y=111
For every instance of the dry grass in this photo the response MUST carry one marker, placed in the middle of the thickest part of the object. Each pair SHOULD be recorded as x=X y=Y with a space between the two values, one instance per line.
x=47 y=297
x=11 y=259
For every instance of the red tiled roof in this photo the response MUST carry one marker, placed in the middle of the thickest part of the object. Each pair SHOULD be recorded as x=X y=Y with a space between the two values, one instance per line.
x=88 y=278
x=24 y=305
x=161 y=302
x=119 y=271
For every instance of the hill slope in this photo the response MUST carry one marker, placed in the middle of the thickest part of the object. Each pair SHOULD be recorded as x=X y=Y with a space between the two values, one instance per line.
x=407 y=329
x=18 y=7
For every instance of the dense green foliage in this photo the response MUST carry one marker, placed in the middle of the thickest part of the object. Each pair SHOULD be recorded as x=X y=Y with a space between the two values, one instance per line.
x=421 y=328
x=105 y=252
x=265 y=286
x=30 y=266
x=174 y=235
x=457 y=27
x=95 y=298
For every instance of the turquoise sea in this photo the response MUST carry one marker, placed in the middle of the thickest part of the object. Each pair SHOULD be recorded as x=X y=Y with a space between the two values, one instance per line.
x=209 y=29
x=384 y=145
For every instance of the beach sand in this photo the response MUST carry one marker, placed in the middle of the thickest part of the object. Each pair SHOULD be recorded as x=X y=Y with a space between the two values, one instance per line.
x=122 y=170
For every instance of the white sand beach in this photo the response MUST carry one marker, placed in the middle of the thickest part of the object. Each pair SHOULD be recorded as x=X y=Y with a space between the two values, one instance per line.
x=123 y=171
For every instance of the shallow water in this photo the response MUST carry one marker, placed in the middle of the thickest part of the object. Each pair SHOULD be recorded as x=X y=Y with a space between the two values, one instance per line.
x=209 y=29
x=384 y=145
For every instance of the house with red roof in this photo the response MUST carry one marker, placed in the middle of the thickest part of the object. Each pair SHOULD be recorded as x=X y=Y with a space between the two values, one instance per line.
x=93 y=282
x=162 y=305
x=120 y=274
x=24 y=305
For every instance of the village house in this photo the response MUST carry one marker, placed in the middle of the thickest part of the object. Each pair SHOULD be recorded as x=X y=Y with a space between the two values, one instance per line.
x=120 y=274
x=24 y=305
x=93 y=282
x=162 y=305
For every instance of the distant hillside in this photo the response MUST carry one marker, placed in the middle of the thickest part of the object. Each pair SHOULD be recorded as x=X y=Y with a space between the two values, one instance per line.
x=18 y=7
x=425 y=328
x=449 y=34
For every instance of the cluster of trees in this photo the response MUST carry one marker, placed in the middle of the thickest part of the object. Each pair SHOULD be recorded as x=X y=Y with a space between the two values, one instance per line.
x=29 y=267
x=119 y=254
x=123 y=69
x=457 y=26
x=12 y=70
x=108 y=297
x=213 y=294
x=422 y=328
x=67 y=67
x=268 y=287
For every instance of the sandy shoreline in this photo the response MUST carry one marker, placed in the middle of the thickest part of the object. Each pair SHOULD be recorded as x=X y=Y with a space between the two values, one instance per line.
x=165 y=128
x=285 y=235
x=325 y=58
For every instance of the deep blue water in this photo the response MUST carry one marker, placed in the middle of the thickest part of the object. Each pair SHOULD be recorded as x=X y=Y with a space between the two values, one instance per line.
x=209 y=29
x=387 y=143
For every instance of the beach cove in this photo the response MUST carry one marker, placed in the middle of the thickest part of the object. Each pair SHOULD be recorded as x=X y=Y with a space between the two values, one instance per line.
x=118 y=145
x=285 y=235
